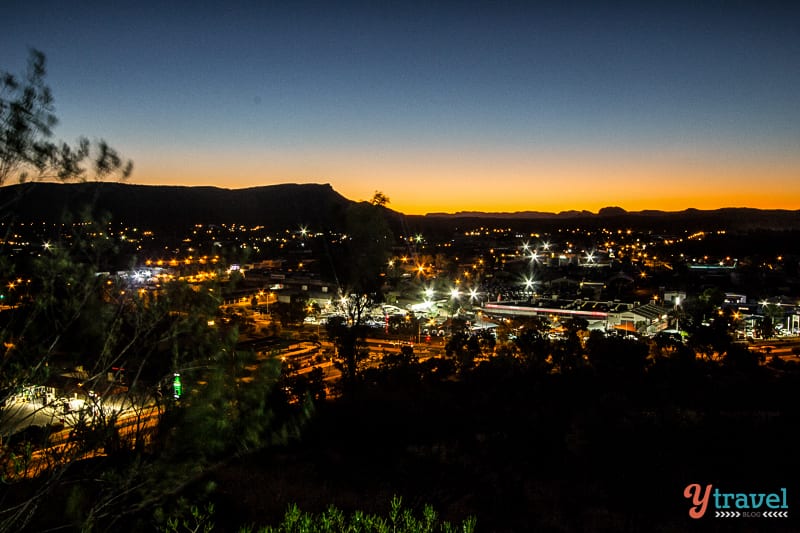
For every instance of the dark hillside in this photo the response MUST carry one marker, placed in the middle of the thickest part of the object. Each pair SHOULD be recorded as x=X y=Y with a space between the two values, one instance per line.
x=317 y=206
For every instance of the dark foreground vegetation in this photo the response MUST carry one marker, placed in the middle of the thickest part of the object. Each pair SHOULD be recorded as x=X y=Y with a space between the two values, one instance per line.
x=517 y=447
x=525 y=451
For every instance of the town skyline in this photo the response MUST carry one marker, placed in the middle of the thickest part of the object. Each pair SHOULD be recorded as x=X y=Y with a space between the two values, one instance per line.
x=443 y=108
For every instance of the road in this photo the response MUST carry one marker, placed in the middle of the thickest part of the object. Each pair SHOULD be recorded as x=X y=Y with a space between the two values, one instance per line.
x=785 y=347
x=303 y=358
x=132 y=423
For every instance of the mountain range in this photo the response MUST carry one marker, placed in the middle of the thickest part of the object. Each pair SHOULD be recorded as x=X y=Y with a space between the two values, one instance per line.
x=317 y=206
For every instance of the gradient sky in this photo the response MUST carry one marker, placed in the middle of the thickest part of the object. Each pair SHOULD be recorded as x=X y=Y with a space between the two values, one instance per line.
x=443 y=106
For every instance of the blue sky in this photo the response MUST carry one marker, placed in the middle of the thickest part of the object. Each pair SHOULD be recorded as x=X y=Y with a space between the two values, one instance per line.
x=443 y=106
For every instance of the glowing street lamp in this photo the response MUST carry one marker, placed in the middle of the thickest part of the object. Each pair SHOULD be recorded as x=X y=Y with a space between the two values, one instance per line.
x=528 y=284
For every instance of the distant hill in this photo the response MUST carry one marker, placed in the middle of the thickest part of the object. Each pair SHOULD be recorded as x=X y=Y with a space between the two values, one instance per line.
x=319 y=206
x=725 y=218
x=315 y=205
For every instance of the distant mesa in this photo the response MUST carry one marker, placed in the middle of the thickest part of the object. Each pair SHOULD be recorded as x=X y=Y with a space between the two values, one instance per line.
x=163 y=206
x=606 y=211
x=611 y=212
x=516 y=215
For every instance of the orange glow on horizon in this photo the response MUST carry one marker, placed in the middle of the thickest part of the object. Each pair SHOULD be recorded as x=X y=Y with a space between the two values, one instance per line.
x=508 y=182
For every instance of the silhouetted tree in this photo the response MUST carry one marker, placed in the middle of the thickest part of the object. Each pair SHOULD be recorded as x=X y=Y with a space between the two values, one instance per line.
x=366 y=248
x=741 y=357
x=27 y=116
x=534 y=347
x=75 y=317
x=616 y=355
x=379 y=199
x=348 y=338
x=772 y=315
x=292 y=312
x=567 y=354
x=463 y=348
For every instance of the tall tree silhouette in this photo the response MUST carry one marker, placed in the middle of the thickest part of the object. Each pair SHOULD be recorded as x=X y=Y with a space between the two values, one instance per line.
x=99 y=325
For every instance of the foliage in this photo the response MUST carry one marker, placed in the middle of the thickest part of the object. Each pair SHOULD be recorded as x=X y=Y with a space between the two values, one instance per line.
x=27 y=117
x=366 y=248
x=349 y=340
x=379 y=199
x=772 y=314
x=198 y=520
x=618 y=355
x=292 y=312
x=132 y=445
x=332 y=520
x=464 y=348
x=348 y=334
x=533 y=346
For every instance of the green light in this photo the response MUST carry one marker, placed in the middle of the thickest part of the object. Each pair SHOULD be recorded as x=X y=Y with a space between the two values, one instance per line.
x=176 y=385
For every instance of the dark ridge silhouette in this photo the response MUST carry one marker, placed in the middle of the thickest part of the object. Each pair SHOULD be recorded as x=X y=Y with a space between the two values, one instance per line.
x=315 y=205
x=319 y=206
x=611 y=211
x=735 y=219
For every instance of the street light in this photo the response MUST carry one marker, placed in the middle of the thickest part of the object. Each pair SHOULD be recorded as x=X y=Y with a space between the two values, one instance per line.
x=529 y=284
x=454 y=295
x=473 y=295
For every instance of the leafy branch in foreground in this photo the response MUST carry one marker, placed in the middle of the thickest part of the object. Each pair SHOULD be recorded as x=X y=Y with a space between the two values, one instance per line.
x=27 y=119
x=92 y=434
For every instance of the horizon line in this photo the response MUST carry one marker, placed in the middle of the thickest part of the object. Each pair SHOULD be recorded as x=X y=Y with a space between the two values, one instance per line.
x=461 y=212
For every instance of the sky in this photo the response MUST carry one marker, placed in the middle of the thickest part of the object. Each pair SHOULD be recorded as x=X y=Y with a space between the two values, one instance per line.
x=442 y=106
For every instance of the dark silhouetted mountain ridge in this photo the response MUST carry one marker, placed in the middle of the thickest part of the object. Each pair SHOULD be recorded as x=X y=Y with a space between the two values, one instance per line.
x=319 y=206
x=315 y=205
